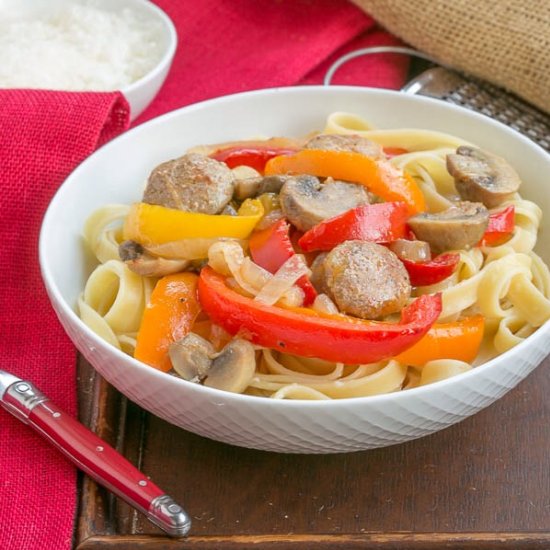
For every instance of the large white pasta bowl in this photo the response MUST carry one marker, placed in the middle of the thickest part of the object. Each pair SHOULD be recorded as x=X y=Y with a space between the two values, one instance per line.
x=115 y=174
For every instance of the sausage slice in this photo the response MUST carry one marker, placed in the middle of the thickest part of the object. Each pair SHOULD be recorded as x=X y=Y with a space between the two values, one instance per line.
x=193 y=182
x=459 y=227
x=481 y=176
x=352 y=143
x=365 y=279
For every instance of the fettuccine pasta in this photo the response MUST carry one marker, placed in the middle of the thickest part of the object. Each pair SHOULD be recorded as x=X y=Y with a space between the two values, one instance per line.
x=498 y=285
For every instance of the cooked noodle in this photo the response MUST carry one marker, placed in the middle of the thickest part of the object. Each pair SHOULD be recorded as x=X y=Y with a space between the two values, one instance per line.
x=508 y=283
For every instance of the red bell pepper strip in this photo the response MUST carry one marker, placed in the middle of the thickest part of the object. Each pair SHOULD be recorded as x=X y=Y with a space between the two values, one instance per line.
x=305 y=332
x=501 y=224
x=378 y=223
x=256 y=157
x=432 y=271
x=271 y=248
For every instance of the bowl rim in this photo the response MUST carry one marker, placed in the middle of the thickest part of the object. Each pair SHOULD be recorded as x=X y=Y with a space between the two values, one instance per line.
x=169 y=51
x=396 y=397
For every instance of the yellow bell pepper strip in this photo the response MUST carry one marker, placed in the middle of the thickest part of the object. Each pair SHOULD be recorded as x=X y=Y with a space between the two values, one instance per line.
x=379 y=176
x=167 y=318
x=150 y=224
x=459 y=340
x=308 y=333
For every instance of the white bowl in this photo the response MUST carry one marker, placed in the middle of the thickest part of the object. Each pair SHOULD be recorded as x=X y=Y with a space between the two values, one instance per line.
x=141 y=92
x=115 y=174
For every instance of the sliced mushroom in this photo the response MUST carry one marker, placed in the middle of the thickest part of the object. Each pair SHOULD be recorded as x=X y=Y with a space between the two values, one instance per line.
x=459 y=227
x=229 y=210
x=317 y=276
x=254 y=186
x=191 y=357
x=138 y=260
x=365 y=279
x=352 y=143
x=193 y=182
x=481 y=176
x=233 y=369
x=306 y=201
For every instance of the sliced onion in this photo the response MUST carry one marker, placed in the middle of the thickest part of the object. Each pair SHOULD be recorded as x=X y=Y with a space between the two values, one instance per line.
x=257 y=276
x=292 y=270
x=323 y=304
x=187 y=249
x=228 y=258
x=293 y=297
x=414 y=251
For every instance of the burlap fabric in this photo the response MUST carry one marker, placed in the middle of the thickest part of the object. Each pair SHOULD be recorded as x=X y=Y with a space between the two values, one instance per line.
x=506 y=42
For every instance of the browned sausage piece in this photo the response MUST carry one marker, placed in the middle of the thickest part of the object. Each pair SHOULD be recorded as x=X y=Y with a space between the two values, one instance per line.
x=193 y=182
x=482 y=177
x=365 y=279
x=306 y=201
x=459 y=227
x=352 y=143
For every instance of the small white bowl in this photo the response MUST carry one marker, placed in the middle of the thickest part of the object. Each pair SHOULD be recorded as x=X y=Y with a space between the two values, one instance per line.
x=114 y=174
x=141 y=92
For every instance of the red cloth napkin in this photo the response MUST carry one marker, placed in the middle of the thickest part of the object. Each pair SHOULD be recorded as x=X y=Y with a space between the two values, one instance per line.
x=225 y=46
x=43 y=136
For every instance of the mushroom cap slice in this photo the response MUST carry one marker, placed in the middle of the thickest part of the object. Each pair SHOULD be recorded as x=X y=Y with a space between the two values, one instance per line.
x=305 y=201
x=193 y=183
x=138 y=260
x=233 y=368
x=258 y=185
x=481 y=176
x=191 y=357
x=459 y=227
x=346 y=142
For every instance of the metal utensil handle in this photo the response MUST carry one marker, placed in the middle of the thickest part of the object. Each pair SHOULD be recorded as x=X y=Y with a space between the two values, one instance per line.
x=374 y=50
x=95 y=457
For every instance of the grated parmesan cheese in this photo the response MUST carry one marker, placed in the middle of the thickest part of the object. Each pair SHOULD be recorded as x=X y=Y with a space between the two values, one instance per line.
x=78 y=47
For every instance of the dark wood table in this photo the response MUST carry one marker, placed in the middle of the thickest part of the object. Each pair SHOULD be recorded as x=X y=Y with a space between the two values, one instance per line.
x=483 y=483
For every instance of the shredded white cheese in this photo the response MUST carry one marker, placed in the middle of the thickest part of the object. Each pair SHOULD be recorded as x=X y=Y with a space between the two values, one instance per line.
x=78 y=47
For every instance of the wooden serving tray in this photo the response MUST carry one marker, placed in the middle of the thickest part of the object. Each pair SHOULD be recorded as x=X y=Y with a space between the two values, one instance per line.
x=483 y=483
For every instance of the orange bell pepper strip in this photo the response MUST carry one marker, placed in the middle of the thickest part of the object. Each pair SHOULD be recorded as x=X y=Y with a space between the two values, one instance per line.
x=167 y=318
x=459 y=340
x=379 y=176
x=305 y=332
